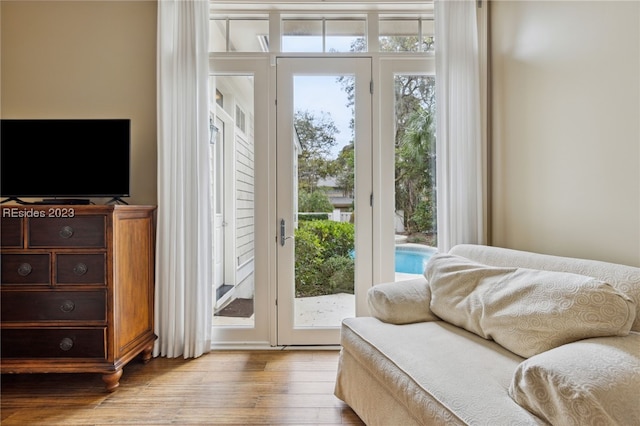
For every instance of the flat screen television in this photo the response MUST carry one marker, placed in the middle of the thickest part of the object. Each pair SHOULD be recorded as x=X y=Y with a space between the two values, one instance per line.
x=64 y=159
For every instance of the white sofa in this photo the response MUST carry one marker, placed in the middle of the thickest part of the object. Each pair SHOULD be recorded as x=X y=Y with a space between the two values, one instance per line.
x=494 y=336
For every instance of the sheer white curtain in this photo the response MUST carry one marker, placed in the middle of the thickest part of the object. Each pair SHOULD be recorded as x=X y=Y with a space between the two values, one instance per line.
x=460 y=163
x=183 y=304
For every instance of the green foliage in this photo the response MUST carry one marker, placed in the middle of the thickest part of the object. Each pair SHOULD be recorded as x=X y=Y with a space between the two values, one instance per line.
x=344 y=170
x=317 y=136
x=340 y=273
x=415 y=172
x=323 y=262
x=337 y=238
x=302 y=217
x=422 y=217
x=309 y=257
x=314 y=201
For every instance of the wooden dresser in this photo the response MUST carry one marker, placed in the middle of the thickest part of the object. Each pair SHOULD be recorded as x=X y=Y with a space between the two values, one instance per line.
x=77 y=288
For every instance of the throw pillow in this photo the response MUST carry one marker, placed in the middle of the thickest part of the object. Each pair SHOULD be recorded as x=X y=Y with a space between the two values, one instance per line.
x=401 y=302
x=526 y=311
x=591 y=382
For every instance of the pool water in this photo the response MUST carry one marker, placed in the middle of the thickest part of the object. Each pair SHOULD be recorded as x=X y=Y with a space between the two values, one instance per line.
x=412 y=261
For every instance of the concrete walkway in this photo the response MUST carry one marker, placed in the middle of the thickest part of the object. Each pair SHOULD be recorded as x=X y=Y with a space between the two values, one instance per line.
x=316 y=311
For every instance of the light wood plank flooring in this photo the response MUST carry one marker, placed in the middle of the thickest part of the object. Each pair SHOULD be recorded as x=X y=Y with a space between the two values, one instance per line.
x=219 y=388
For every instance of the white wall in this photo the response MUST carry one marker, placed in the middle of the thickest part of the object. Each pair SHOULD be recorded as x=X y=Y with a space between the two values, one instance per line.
x=566 y=128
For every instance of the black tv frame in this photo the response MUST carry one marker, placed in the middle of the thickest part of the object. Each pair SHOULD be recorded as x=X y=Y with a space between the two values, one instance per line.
x=63 y=173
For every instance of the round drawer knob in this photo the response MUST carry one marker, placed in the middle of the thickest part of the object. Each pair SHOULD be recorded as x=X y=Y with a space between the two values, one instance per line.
x=66 y=344
x=24 y=269
x=80 y=269
x=67 y=306
x=66 y=232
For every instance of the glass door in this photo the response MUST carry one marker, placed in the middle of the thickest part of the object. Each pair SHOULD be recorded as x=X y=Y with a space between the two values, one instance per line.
x=239 y=147
x=323 y=196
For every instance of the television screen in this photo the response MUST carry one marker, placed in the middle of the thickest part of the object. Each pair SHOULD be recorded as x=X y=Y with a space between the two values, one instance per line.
x=64 y=158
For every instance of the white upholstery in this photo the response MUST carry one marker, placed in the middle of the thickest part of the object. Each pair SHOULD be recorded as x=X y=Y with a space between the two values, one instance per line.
x=527 y=311
x=413 y=295
x=406 y=366
x=434 y=372
x=591 y=382
x=622 y=277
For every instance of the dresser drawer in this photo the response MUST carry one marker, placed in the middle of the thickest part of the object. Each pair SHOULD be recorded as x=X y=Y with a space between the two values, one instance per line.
x=25 y=269
x=79 y=231
x=53 y=343
x=11 y=236
x=80 y=268
x=30 y=306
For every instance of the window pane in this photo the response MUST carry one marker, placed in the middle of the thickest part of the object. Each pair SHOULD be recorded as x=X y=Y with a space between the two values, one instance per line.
x=325 y=181
x=301 y=35
x=415 y=173
x=428 y=33
x=248 y=35
x=345 y=36
x=233 y=182
x=399 y=36
x=217 y=35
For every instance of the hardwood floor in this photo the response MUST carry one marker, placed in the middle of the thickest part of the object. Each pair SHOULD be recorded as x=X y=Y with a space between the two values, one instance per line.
x=219 y=388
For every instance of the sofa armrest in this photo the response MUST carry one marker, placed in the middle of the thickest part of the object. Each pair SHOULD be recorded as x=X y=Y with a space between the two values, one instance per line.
x=401 y=302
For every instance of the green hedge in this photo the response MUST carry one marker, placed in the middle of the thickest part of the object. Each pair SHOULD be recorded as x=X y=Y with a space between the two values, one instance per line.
x=324 y=264
x=305 y=217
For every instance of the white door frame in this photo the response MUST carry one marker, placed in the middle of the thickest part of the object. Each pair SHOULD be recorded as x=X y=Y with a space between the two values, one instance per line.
x=287 y=68
x=259 y=335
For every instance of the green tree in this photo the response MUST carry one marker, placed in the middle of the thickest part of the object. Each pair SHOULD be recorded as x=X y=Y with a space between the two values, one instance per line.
x=344 y=170
x=317 y=135
x=415 y=172
x=414 y=137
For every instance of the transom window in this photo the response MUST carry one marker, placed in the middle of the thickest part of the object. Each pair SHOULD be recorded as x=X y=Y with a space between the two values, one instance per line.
x=395 y=33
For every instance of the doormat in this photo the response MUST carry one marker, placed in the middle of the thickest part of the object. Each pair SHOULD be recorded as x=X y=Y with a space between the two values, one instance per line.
x=241 y=308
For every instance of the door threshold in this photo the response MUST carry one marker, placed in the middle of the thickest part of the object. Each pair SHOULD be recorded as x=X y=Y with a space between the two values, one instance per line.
x=266 y=347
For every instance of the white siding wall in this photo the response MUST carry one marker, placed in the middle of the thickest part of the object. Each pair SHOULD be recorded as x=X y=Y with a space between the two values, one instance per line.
x=245 y=207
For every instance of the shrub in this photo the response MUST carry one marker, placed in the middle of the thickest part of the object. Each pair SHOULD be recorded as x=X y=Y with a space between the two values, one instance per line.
x=323 y=258
x=337 y=238
x=308 y=261
x=316 y=201
x=307 y=217
x=339 y=273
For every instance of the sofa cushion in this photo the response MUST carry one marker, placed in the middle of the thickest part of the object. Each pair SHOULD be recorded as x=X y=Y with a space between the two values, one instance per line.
x=401 y=302
x=441 y=374
x=590 y=382
x=623 y=278
x=527 y=311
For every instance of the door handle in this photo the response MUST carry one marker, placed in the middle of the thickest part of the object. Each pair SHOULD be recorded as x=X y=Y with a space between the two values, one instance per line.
x=283 y=238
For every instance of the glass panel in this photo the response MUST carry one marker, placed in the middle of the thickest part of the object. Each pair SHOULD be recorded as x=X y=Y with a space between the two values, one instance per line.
x=301 y=35
x=217 y=35
x=234 y=221
x=249 y=35
x=345 y=36
x=415 y=173
x=324 y=237
x=219 y=166
x=245 y=35
x=399 y=35
x=428 y=33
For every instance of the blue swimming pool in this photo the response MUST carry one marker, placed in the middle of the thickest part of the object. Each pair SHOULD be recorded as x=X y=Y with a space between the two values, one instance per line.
x=412 y=259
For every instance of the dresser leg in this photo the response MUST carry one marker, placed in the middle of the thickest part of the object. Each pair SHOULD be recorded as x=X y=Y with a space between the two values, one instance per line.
x=146 y=353
x=112 y=380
